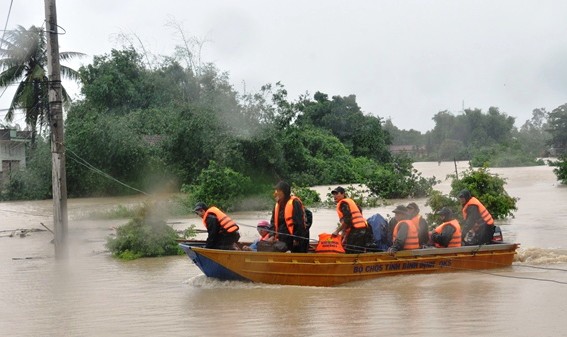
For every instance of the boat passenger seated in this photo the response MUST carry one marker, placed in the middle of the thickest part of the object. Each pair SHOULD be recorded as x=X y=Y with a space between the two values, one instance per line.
x=265 y=237
x=222 y=230
x=405 y=233
x=448 y=233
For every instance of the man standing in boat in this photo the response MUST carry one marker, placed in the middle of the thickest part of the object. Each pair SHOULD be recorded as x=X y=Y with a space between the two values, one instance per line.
x=288 y=219
x=405 y=233
x=419 y=222
x=222 y=230
x=478 y=227
x=356 y=232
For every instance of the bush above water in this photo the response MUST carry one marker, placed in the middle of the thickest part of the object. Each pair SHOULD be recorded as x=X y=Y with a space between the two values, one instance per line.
x=146 y=235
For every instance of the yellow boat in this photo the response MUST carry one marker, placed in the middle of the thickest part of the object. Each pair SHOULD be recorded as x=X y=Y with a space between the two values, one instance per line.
x=324 y=269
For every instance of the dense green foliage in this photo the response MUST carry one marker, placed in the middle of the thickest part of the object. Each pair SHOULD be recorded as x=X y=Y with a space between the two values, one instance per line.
x=307 y=195
x=361 y=134
x=219 y=186
x=533 y=137
x=403 y=137
x=361 y=194
x=489 y=189
x=35 y=181
x=485 y=139
x=557 y=127
x=503 y=156
x=198 y=119
x=399 y=180
x=560 y=169
x=146 y=235
x=470 y=130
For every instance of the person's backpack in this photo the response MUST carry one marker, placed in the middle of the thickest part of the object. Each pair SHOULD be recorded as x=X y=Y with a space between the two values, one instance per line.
x=379 y=227
x=308 y=218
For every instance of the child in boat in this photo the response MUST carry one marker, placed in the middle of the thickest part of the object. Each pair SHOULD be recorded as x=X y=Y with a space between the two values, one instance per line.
x=262 y=228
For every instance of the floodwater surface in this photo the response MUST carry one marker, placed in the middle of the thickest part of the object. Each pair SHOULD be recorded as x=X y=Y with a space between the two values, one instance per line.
x=93 y=294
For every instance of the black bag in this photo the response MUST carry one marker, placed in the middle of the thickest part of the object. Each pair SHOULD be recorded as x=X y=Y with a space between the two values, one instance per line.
x=308 y=218
x=269 y=246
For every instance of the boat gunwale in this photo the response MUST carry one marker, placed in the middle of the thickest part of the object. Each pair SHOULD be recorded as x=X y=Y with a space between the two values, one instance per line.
x=425 y=252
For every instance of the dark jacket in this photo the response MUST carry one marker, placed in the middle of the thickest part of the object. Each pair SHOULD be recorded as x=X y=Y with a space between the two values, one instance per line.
x=299 y=229
x=422 y=232
x=218 y=238
x=473 y=217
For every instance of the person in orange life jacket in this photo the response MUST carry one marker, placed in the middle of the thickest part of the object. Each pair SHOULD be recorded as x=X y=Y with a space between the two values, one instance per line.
x=448 y=233
x=405 y=233
x=420 y=223
x=478 y=227
x=222 y=230
x=354 y=228
x=264 y=232
x=288 y=219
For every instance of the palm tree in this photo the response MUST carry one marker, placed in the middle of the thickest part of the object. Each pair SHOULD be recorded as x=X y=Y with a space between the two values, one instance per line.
x=23 y=62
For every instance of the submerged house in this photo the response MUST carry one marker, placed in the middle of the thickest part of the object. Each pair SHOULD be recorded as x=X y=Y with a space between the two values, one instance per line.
x=13 y=145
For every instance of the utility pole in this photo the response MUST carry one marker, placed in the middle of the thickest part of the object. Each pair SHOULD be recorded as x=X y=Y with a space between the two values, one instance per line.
x=58 y=174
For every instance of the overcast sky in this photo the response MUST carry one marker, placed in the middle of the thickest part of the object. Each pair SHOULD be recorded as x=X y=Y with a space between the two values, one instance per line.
x=406 y=60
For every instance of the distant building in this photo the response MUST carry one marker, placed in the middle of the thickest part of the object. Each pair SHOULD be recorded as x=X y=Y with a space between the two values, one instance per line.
x=12 y=151
x=412 y=150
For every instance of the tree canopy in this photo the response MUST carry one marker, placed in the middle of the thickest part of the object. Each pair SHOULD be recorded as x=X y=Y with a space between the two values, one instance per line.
x=24 y=63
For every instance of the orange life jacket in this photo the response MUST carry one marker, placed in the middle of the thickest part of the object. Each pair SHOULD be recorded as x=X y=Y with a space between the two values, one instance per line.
x=456 y=239
x=415 y=221
x=265 y=237
x=412 y=241
x=358 y=220
x=330 y=244
x=226 y=223
x=484 y=214
x=288 y=215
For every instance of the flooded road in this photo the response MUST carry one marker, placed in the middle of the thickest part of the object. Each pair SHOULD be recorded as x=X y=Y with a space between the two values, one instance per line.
x=92 y=294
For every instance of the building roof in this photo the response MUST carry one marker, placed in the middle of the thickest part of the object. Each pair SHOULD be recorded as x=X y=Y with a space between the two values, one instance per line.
x=10 y=134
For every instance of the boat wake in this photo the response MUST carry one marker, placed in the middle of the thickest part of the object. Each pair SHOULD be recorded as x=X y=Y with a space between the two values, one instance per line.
x=540 y=256
x=202 y=281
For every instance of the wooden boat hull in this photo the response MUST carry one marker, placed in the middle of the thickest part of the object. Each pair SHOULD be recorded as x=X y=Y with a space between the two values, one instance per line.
x=316 y=269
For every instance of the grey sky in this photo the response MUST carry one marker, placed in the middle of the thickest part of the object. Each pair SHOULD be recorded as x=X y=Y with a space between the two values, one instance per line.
x=402 y=59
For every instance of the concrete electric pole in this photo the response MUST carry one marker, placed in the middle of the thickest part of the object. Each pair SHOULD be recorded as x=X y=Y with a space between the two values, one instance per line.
x=59 y=178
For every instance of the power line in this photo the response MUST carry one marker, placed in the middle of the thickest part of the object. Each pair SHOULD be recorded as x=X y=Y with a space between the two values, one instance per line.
x=6 y=25
x=88 y=165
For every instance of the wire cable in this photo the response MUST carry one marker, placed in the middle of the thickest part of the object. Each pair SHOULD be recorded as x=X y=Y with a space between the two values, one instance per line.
x=6 y=24
x=86 y=164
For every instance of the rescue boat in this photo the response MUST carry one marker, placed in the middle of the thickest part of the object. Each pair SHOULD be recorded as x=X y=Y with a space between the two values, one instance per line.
x=331 y=269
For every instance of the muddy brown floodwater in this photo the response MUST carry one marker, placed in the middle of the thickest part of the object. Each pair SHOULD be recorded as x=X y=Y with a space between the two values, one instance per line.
x=92 y=294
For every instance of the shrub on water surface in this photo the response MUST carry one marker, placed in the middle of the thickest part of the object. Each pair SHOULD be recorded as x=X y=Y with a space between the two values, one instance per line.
x=146 y=235
x=560 y=169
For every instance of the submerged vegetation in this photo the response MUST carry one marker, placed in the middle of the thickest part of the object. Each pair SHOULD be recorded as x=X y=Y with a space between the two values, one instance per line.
x=560 y=169
x=146 y=235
